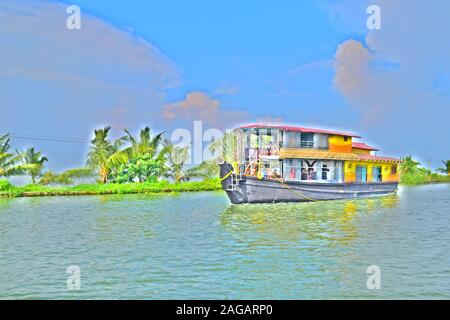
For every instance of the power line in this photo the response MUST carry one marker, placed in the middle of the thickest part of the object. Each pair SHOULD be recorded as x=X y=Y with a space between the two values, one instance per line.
x=47 y=138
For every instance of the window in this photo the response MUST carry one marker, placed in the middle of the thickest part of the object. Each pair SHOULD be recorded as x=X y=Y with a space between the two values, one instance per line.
x=292 y=169
x=345 y=138
x=253 y=140
x=271 y=169
x=307 y=140
x=394 y=169
x=292 y=139
x=376 y=174
x=361 y=174
x=325 y=171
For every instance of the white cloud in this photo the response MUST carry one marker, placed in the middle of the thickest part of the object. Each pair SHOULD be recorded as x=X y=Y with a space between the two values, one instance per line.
x=352 y=67
x=37 y=43
x=199 y=106
x=402 y=105
x=62 y=82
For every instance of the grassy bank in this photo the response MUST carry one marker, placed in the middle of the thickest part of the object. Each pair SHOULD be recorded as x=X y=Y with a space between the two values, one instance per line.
x=423 y=178
x=8 y=190
x=32 y=190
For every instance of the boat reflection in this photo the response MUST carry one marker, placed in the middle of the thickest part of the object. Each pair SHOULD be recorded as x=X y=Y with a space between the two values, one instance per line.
x=333 y=222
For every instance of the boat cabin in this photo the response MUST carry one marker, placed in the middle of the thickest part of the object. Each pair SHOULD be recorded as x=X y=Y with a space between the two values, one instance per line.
x=309 y=155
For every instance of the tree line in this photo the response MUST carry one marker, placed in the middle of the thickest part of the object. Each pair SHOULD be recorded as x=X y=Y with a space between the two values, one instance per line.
x=411 y=166
x=142 y=158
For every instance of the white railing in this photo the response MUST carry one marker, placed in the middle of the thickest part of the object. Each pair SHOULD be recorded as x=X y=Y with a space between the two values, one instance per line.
x=305 y=145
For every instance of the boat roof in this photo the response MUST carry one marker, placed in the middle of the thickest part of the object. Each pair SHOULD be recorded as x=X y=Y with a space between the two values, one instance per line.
x=361 y=145
x=298 y=129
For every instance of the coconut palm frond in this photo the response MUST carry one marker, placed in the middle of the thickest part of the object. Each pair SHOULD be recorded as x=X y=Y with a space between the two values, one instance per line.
x=116 y=159
x=79 y=173
x=205 y=170
x=409 y=165
x=66 y=177
x=35 y=160
x=18 y=170
x=4 y=143
x=446 y=168
x=176 y=158
x=144 y=145
x=10 y=163
x=54 y=178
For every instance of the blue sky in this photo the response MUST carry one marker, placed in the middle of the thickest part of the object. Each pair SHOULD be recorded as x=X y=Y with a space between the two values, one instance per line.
x=235 y=44
x=312 y=63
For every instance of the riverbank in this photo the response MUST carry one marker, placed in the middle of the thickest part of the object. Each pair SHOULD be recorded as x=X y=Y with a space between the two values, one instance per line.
x=11 y=191
x=8 y=190
x=423 y=178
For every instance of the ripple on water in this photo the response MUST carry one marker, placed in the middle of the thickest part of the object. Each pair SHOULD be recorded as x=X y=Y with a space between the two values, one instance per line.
x=197 y=245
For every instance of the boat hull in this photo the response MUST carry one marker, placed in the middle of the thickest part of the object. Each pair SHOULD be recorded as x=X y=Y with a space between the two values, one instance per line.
x=253 y=190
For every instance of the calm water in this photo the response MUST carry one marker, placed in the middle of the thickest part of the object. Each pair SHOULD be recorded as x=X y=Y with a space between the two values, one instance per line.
x=198 y=246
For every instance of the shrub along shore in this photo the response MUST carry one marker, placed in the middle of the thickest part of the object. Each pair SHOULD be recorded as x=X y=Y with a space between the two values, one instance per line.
x=11 y=191
x=419 y=178
x=142 y=164
x=412 y=173
x=8 y=190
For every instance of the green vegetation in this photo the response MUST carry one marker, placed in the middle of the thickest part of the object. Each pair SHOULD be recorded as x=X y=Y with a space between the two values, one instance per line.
x=65 y=178
x=446 y=168
x=145 y=159
x=127 y=165
x=8 y=190
x=411 y=173
x=142 y=164
x=104 y=155
x=31 y=157
x=10 y=164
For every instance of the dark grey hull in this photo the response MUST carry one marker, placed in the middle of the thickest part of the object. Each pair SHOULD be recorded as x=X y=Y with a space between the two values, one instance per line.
x=253 y=190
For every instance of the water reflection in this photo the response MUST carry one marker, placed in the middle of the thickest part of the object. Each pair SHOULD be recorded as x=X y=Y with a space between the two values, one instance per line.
x=331 y=222
x=195 y=245
x=4 y=203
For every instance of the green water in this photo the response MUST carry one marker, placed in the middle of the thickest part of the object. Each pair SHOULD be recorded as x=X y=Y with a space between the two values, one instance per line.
x=198 y=246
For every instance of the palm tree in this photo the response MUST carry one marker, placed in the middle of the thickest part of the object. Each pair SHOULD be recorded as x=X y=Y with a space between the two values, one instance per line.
x=104 y=155
x=66 y=177
x=176 y=158
x=207 y=170
x=145 y=145
x=446 y=168
x=409 y=165
x=223 y=147
x=10 y=163
x=31 y=157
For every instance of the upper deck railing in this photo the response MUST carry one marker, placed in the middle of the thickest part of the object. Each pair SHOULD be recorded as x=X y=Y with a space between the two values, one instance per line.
x=306 y=145
x=274 y=150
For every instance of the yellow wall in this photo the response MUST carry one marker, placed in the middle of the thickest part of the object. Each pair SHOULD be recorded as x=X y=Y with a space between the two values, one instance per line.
x=387 y=176
x=338 y=144
x=350 y=171
x=361 y=151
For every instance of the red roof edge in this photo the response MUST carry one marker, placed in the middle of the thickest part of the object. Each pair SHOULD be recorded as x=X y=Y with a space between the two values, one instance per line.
x=361 y=145
x=298 y=129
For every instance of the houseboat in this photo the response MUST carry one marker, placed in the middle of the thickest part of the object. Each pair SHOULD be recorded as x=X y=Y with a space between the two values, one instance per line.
x=269 y=163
